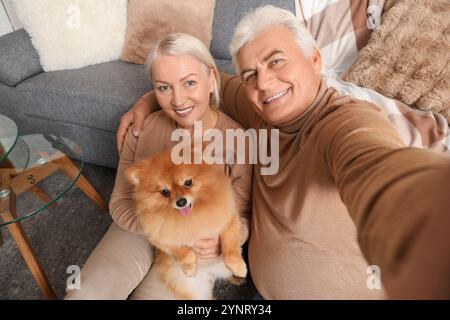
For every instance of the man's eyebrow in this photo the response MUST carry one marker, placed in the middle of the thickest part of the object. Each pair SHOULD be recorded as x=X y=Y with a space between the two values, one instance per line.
x=246 y=71
x=272 y=53
x=267 y=57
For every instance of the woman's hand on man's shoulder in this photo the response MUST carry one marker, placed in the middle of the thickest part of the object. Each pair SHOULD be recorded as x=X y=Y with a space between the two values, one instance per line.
x=134 y=120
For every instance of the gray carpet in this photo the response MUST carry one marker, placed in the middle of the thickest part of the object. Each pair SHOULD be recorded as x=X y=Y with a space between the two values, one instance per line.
x=65 y=235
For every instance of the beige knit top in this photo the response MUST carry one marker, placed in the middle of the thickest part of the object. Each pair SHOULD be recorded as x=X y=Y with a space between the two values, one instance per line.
x=155 y=138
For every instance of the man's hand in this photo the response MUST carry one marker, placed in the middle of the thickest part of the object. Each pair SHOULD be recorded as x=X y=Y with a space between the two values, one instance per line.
x=135 y=118
x=207 y=248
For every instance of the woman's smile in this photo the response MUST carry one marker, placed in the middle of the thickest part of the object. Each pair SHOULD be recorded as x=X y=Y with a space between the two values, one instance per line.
x=184 y=112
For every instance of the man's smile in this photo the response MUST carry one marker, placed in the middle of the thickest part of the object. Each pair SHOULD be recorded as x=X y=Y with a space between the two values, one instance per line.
x=276 y=96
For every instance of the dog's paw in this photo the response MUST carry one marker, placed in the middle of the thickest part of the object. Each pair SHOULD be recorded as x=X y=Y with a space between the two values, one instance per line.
x=188 y=262
x=189 y=269
x=236 y=265
x=237 y=281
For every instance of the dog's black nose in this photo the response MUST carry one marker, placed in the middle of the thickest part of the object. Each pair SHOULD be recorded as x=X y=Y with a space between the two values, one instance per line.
x=181 y=202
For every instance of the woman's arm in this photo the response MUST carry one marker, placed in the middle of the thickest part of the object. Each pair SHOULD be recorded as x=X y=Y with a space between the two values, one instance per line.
x=121 y=206
x=135 y=117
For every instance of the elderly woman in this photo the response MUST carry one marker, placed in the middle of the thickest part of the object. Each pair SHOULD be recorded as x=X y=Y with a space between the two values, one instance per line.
x=187 y=86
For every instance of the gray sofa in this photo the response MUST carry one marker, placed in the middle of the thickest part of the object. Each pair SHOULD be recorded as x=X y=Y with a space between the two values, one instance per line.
x=85 y=105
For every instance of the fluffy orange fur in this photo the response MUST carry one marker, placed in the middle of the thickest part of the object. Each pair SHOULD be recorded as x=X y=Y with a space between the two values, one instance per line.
x=212 y=211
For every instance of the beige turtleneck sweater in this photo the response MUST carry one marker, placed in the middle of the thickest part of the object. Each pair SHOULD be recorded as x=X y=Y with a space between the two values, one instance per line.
x=345 y=178
x=348 y=194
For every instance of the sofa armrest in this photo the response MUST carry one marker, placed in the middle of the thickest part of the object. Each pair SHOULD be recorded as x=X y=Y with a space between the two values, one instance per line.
x=18 y=58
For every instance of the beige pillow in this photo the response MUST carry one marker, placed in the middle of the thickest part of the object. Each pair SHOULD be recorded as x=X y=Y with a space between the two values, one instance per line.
x=150 y=20
x=408 y=56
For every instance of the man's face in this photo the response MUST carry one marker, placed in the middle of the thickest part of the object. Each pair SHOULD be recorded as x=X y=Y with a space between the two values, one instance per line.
x=280 y=81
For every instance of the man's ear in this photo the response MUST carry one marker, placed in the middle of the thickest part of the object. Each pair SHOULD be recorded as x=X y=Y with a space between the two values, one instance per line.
x=316 y=60
x=132 y=174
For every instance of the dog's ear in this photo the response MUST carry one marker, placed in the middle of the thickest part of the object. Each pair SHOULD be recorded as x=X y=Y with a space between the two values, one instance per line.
x=132 y=174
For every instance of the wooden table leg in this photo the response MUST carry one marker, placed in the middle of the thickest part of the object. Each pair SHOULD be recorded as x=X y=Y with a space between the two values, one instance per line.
x=71 y=171
x=7 y=209
x=38 y=192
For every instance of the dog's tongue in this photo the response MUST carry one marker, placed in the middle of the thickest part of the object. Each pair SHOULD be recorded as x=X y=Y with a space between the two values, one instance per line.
x=185 y=211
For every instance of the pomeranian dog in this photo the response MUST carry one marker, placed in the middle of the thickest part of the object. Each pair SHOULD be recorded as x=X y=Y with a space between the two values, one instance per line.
x=177 y=205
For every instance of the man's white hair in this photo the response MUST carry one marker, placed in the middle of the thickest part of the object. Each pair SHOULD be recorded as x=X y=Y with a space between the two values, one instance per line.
x=259 y=20
x=181 y=43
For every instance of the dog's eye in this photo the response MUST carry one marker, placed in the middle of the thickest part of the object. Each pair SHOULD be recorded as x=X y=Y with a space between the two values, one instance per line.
x=165 y=192
x=188 y=183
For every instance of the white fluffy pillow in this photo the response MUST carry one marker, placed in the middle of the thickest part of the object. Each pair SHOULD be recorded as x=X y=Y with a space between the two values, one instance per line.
x=70 y=34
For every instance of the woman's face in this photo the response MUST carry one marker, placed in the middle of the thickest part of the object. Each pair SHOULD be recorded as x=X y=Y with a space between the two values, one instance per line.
x=183 y=86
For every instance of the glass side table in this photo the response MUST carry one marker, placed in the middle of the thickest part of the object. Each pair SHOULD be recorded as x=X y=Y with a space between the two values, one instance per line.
x=8 y=136
x=36 y=172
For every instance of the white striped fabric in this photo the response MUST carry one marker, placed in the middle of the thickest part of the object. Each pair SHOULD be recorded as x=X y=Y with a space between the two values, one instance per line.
x=343 y=27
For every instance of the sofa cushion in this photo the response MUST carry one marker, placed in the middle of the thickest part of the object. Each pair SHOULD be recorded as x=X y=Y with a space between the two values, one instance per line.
x=94 y=96
x=18 y=58
x=227 y=15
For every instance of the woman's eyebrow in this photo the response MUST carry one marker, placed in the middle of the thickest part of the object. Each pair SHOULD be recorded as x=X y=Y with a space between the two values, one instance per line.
x=191 y=74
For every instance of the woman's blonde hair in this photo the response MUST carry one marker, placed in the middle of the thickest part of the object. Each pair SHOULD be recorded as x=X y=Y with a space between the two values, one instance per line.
x=182 y=43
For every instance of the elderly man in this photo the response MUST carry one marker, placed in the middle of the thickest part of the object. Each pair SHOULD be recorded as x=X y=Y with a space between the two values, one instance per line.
x=344 y=177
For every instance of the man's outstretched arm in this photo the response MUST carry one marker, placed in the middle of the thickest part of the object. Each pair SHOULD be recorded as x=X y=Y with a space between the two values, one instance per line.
x=393 y=194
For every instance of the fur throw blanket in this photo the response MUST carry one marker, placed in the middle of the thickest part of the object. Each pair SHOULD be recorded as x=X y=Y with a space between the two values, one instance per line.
x=408 y=56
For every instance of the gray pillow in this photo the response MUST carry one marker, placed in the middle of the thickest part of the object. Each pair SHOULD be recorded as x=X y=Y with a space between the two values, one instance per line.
x=227 y=15
x=18 y=58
